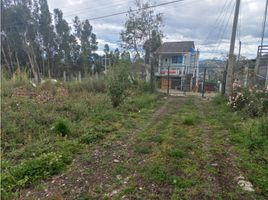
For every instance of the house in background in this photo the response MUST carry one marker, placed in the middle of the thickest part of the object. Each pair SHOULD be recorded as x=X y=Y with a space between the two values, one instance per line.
x=182 y=60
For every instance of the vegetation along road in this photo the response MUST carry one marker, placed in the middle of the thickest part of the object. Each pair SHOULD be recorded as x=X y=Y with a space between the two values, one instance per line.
x=150 y=147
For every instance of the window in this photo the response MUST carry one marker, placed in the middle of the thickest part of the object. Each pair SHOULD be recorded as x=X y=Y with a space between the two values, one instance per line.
x=177 y=59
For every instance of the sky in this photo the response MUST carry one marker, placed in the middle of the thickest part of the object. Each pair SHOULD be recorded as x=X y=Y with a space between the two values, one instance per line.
x=206 y=22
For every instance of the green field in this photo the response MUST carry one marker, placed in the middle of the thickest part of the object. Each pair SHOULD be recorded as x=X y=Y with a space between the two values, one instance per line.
x=75 y=145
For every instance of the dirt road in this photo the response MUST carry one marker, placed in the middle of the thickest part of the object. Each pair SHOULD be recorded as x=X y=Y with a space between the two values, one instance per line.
x=180 y=152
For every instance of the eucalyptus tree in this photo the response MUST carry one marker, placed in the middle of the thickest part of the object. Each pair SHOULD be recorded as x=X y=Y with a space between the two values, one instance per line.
x=83 y=32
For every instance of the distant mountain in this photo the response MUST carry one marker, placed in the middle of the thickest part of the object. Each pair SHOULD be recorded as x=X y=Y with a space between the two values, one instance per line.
x=212 y=65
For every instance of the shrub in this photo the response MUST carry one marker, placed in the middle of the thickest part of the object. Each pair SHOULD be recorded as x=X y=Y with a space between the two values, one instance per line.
x=63 y=126
x=250 y=101
x=95 y=134
x=20 y=78
x=89 y=138
x=219 y=100
x=118 y=82
x=253 y=108
x=142 y=86
x=176 y=153
x=189 y=120
x=88 y=84
x=29 y=171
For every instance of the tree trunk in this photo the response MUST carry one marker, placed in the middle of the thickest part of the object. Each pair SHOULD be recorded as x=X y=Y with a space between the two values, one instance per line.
x=33 y=67
x=36 y=66
x=6 y=61
x=10 y=58
x=17 y=60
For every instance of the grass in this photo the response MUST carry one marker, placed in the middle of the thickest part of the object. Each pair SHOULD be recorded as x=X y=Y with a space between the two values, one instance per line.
x=249 y=138
x=41 y=138
x=170 y=155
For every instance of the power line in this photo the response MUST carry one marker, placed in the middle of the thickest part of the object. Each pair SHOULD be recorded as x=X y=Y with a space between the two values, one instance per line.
x=118 y=13
x=216 y=21
x=224 y=23
x=135 y=10
x=221 y=23
x=92 y=10
x=99 y=1
x=225 y=28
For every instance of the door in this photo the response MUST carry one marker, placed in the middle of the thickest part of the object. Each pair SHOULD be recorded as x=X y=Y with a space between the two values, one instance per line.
x=175 y=83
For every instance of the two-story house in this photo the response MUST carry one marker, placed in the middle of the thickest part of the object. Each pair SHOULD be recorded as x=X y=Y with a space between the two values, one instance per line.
x=182 y=60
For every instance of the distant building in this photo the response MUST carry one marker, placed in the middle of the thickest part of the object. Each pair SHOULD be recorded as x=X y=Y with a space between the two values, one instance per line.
x=182 y=59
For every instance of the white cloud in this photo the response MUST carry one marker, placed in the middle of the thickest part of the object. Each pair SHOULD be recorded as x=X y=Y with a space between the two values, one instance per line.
x=187 y=20
x=75 y=2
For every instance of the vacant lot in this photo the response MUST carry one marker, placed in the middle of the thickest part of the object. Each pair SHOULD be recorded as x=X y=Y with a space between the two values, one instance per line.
x=61 y=144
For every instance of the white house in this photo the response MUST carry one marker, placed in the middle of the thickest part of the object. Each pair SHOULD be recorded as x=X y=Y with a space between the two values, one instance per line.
x=182 y=60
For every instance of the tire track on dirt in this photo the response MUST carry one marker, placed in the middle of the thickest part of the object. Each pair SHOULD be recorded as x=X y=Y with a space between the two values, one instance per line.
x=94 y=176
x=223 y=181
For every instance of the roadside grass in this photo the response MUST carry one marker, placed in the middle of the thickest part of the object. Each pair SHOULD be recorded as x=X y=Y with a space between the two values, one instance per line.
x=249 y=136
x=40 y=139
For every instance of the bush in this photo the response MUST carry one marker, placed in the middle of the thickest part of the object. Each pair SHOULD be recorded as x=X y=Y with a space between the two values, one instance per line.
x=189 y=120
x=63 y=126
x=175 y=153
x=89 y=138
x=95 y=134
x=250 y=101
x=142 y=86
x=29 y=171
x=253 y=107
x=20 y=78
x=88 y=84
x=219 y=100
x=118 y=82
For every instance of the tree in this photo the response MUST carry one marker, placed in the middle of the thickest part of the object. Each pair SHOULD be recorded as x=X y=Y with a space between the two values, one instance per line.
x=106 y=49
x=139 y=27
x=150 y=46
x=19 y=36
x=62 y=39
x=29 y=39
x=83 y=31
x=46 y=32
x=118 y=82
x=126 y=56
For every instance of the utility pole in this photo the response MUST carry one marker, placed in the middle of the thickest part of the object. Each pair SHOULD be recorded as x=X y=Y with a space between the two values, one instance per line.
x=105 y=63
x=231 y=59
x=239 y=52
x=264 y=23
x=263 y=30
x=151 y=64
x=204 y=81
x=168 y=80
